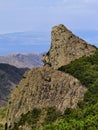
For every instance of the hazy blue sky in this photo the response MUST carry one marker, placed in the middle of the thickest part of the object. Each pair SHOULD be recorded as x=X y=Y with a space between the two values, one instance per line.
x=41 y=15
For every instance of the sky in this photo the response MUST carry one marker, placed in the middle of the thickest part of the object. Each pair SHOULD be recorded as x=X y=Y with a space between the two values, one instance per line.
x=42 y=15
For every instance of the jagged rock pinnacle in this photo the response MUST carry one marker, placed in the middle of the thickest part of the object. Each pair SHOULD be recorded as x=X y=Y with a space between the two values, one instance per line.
x=46 y=86
x=65 y=47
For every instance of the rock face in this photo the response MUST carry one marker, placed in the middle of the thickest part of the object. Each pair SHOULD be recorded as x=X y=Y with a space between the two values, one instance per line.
x=46 y=86
x=66 y=47
x=42 y=87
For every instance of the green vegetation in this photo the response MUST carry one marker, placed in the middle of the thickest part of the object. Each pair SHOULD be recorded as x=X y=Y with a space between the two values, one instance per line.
x=77 y=119
x=30 y=118
x=2 y=117
x=1 y=126
x=85 y=116
x=52 y=115
x=86 y=70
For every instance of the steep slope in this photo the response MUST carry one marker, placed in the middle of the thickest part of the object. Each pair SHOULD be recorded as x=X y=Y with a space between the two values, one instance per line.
x=86 y=114
x=9 y=77
x=66 y=47
x=46 y=86
x=23 y=60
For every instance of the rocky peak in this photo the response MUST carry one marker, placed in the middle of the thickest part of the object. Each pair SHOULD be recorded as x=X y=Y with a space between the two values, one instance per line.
x=57 y=31
x=65 y=47
x=46 y=86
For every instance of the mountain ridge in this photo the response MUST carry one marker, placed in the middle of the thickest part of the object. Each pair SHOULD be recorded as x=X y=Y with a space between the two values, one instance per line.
x=28 y=60
x=66 y=47
x=47 y=86
x=24 y=42
x=9 y=78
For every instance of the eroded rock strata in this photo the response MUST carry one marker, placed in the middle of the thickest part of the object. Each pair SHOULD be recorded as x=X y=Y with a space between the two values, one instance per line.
x=46 y=86
x=65 y=47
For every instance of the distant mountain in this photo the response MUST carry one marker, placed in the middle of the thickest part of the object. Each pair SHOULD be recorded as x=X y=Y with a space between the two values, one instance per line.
x=24 y=42
x=23 y=60
x=12 y=68
x=9 y=78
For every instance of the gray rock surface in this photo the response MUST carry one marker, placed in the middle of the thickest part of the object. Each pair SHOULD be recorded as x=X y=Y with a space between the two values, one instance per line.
x=65 y=47
x=44 y=87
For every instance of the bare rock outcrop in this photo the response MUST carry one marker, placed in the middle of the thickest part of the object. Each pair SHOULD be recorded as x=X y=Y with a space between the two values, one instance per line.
x=65 y=47
x=44 y=87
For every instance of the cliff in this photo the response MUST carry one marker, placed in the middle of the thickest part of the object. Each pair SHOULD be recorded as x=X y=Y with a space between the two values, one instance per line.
x=43 y=87
x=46 y=86
x=65 y=47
